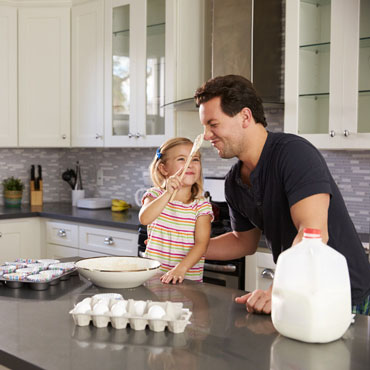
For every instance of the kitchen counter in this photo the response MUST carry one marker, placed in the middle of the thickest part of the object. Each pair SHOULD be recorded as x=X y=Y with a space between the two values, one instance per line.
x=64 y=211
x=36 y=331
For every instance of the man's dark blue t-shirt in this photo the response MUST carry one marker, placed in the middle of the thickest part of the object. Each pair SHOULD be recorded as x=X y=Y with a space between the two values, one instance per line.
x=289 y=170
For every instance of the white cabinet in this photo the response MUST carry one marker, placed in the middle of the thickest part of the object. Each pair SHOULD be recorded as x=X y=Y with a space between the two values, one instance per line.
x=19 y=239
x=67 y=239
x=259 y=271
x=327 y=72
x=87 y=91
x=108 y=241
x=44 y=77
x=8 y=77
x=139 y=71
x=61 y=239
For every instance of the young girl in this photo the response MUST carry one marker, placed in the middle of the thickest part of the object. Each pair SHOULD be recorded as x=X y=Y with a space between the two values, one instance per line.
x=179 y=230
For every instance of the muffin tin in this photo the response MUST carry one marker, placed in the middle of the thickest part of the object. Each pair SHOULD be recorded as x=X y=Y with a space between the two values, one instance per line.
x=102 y=310
x=37 y=274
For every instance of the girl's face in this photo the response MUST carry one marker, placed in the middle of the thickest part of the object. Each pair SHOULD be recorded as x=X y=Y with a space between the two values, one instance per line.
x=176 y=158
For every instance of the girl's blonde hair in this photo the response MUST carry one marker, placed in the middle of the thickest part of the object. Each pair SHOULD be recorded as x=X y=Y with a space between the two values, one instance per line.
x=160 y=157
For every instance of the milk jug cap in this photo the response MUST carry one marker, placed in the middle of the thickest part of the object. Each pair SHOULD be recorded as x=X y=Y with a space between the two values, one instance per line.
x=311 y=233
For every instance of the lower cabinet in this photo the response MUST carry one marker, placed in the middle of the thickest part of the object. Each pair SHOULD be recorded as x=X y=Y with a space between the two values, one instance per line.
x=259 y=270
x=66 y=239
x=20 y=238
x=59 y=251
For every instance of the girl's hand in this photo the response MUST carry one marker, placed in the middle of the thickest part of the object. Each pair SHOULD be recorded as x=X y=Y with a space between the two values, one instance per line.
x=173 y=182
x=177 y=274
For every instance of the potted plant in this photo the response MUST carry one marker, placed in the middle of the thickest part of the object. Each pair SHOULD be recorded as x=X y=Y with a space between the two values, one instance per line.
x=13 y=189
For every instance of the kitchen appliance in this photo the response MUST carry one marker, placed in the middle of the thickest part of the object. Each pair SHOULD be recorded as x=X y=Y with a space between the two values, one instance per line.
x=228 y=273
x=225 y=273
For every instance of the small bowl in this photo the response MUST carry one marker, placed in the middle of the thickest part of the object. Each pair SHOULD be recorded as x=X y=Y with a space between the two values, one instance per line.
x=117 y=272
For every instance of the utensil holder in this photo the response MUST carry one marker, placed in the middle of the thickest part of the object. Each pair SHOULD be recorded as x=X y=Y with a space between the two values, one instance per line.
x=76 y=195
x=35 y=195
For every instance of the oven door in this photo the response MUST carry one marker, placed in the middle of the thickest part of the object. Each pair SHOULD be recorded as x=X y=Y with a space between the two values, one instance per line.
x=229 y=274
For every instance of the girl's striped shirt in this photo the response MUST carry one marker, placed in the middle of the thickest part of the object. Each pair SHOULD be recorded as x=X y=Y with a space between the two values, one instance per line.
x=171 y=235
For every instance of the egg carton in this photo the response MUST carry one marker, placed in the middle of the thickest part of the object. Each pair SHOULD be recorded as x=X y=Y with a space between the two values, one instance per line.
x=138 y=314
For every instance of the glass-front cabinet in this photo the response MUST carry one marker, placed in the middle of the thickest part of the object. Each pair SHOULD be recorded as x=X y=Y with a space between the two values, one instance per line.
x=139 y=70
x=327 y=72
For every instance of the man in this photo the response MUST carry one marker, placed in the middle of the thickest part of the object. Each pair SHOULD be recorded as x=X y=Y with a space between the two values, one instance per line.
x=279 y=186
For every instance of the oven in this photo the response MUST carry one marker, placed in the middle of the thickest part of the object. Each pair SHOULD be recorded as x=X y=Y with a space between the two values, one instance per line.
x=225 y=273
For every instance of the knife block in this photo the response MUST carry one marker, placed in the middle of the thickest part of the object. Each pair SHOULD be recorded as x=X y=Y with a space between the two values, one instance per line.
x=35 y=195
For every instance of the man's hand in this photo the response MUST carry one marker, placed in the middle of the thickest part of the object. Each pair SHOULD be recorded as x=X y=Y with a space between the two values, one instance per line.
x=258 y=301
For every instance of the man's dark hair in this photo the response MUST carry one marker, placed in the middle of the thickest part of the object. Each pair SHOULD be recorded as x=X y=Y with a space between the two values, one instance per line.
x=236 y=93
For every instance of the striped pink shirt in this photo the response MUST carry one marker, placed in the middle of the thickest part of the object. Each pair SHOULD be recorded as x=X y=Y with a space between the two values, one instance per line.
x=171 y=235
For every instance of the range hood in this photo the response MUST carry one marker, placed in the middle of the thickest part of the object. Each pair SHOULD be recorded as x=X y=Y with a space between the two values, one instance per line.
x=246 y=38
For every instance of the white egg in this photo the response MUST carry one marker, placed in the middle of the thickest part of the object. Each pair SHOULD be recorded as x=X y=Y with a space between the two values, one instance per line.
x=82 y=307
x=100 y=308
x=140 y=307
x=118 y=309
x=122 y=303
x=156 y=312
x=87 y=300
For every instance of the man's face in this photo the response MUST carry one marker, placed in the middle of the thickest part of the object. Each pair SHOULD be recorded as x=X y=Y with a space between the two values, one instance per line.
x=224 y=132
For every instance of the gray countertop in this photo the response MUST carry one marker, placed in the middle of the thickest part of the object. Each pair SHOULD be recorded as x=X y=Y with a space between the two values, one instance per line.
x=36 y=331
x=64 y=211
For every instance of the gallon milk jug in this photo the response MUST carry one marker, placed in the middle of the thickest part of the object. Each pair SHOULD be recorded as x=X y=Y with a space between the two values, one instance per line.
x=311 y=294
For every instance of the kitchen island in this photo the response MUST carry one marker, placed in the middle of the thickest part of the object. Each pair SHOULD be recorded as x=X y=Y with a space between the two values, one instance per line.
x=36 y=331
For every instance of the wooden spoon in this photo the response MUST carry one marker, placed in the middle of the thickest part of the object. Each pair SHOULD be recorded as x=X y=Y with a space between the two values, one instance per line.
x=197 y=144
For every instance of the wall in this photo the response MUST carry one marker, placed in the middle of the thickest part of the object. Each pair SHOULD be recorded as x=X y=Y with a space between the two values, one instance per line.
x=123 y=171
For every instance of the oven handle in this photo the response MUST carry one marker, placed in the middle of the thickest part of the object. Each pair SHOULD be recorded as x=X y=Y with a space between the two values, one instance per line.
x=219 y=268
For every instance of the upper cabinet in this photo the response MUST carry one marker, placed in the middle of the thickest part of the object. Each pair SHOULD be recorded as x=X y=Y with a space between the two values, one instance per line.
x=139 y=64
x=327 y=72
x=8 y=77
x=34 y=76
x=87 y=93
x=44 y=76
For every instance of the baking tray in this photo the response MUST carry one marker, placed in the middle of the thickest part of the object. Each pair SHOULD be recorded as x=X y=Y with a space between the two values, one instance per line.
x=38 y=285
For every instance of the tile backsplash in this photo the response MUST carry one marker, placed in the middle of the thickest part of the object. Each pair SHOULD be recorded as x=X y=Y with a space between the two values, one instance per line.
x=123 y=170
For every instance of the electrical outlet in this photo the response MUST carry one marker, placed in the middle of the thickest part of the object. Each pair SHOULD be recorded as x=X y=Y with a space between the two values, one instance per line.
x=99 y=177
x=146 y=178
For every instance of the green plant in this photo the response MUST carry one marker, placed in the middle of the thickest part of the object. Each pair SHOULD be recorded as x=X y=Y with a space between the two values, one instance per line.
x=12 y=183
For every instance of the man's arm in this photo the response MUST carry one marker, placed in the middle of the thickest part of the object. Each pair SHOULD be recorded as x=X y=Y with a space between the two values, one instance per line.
x=309 y=212
x=233 y=245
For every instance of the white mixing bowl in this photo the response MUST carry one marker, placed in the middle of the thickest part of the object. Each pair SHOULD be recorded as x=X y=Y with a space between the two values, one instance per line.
x=117 y=272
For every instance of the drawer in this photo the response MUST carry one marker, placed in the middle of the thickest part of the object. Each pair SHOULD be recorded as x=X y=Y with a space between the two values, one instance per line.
x=62 y=234
x=107 y=241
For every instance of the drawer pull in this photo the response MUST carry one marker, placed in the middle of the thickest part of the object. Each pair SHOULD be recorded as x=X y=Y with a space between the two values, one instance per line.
x=108 y=241
x=267 y=274
x=62 y=233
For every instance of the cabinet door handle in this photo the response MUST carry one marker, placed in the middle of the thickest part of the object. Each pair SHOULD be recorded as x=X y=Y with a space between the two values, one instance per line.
x=108 y=240
x=346 y=133
x=332 y=133
x=267 y=274
x=137 y=135
x=98 y=136
x=1 y=234
x=130 y=135
x=64 y=136
x=62 y=233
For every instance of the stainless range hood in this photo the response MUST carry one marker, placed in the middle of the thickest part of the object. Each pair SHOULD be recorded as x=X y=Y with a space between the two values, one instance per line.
x=246 y=38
